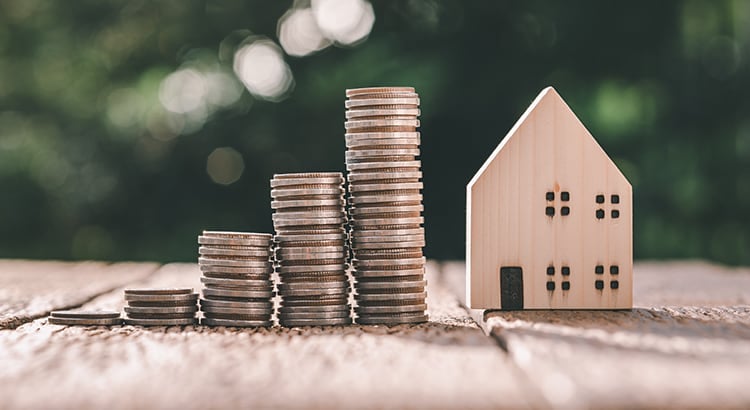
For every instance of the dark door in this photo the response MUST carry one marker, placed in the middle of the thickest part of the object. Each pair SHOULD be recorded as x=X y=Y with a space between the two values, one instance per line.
x=511 y=288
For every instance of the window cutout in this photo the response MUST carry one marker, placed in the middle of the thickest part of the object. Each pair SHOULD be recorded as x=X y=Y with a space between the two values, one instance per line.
x=549 y=211
x=565 y=196
x=550 y=270
x=615 y=199
x=599 y=270
x=614 y=270
x=550 y=196
x=565 y=211
x=599 y=214
x=565 y=271
x=599 y=284
x=615 y=214
x=614 y=284
x=566 y=285
x=550 y=285
x=600 y=199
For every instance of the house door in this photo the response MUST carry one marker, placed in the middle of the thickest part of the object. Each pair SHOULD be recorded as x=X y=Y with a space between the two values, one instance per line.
x=511 y=288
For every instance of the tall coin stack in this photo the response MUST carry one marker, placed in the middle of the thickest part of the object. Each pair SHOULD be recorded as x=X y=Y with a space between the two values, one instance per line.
x=385 y=201
x=237 y=270
x=161 y=307
x=311 y=248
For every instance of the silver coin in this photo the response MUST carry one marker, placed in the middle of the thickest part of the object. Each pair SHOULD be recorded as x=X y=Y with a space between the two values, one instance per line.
x=249 y=242
x=371 y=102
x=371 y=153
x=284 y=258
x=247 y=252
x=365 y=198
x=377 y=112
x=313 y=292
x=382 y=297
x=161 y=322
x=339 y=235
x=392 y=320
x=277 y=222
x=336 y=179
x=382 y=273
x=408 y=121
x=265 y=288
x=309 y=250
x=233 y=263
x=397 y=234
x=389 y=262
x=333 y=191
x=390 y=284
x=312 y=285
x=159 y=291
x=355 y=177
x=237 y=311
x=363 y=237
x=85 y=314
x=235 y=323
x=312 y=268
x=234 y=293
x=164 y=316
x=137 y=297
x=379 y=310
x=68 y=321
x=356 y=188
x=295 y=175
x=387 y=245
x=160 y=310
x=314 y=309
x=353 y=92
x=213 y=303
x=389 y=135
x=237 y=235
x=310 y=214
x=315 y=301
x=305 y=203
x=267 y=269
x=316 y=322
x=389 y=221
x=314 y=315
x=236 y=283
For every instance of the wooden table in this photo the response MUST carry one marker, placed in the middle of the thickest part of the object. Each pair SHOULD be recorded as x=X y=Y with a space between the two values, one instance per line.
x=687 y=344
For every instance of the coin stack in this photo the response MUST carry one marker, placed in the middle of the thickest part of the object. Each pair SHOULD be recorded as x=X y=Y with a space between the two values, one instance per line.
x=161 y=307
x=311 y=248
x=237 y=272
x=385 y=201
x=84 y=318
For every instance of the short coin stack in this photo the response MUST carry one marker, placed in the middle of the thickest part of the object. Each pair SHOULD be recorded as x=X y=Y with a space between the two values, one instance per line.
x=237 y=272
x=84 y=318
x=161 y=307
x=311 y=248
x=385 y=200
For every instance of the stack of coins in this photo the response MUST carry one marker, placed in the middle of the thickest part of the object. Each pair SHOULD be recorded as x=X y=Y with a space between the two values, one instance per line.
x=385 y=200
x=84 y=318
x=237 y=272
x=311 y=248
x=161 y=307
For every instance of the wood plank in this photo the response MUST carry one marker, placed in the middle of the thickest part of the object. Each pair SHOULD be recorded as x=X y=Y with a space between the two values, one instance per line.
x=446 y=363
x=686 y=345
x=31 y=289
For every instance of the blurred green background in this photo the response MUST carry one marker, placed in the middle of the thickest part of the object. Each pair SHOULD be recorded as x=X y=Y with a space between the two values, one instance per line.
x=127 y=127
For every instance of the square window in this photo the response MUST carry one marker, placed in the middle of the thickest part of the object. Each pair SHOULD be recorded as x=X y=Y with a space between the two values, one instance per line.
x=549 y=211
x=565 y=271
x=614 y=270
x=599 y=284
x=600 y=199
x=550 y=270
x=615 y=214
x=566 y=285
x=614 y=284
x=565 y=211
x=599 y=270
x=599 y=214
x=565 y=196
x=550 y=285
x=550 y=196
x=615 y=199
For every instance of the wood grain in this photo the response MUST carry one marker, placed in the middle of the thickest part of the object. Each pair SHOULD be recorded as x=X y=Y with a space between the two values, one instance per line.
x=687 y=345
x=29 y=290
x=446 y=363
x=549 y=151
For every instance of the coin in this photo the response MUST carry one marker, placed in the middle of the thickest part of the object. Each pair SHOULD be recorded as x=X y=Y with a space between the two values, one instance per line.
x=338 y=267
x=234 y=293
x=313 y=285
x=373 y=102
x=314 y=315
x=235 y=323
x=161 y=309
x=302 y=203
x=235 y=283
x=367 y=310
x=355 y=177
x=351 y=92
x=379 y=273
x=159 y=291
x=372 y=123
x=161 y=322
x=68 y=321
x=238 y=235
x=236 y=311
x=184 y=315
x=379 y=297
x=393 y=319
x=379 y=112
x=390 y=284
x=158 y=297
x=260 y=253
x=373 y=166
x=266 y=269
x=318 y=308
x=390 y=263
x=214 y=303
x=85 y=314
x=316 y=322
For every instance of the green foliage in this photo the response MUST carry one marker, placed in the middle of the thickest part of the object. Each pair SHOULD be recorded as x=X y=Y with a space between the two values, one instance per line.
x=92 y=165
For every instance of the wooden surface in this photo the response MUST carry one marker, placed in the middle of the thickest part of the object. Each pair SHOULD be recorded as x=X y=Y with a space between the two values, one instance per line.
x=686 y=344
x=549 y=151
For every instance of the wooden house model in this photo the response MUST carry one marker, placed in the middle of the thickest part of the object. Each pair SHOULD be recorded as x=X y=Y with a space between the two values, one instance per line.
x=549 y=219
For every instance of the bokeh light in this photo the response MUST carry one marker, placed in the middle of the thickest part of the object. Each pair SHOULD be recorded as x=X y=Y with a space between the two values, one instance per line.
x=299 y=34
x=346 y=22
x=260 y=65
x=225 y=165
